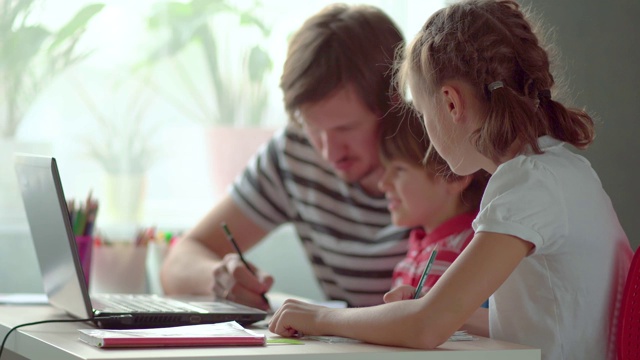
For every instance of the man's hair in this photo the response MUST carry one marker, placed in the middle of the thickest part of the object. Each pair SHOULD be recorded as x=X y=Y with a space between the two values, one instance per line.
x=339 y=46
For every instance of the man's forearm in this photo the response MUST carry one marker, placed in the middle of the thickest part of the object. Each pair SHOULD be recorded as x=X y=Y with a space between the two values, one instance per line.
x=188 y=269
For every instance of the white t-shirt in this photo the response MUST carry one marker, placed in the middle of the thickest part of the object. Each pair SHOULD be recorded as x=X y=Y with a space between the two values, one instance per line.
x=563 y=297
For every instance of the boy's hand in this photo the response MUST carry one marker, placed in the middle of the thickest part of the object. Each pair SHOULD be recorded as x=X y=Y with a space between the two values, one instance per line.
x=402 y=292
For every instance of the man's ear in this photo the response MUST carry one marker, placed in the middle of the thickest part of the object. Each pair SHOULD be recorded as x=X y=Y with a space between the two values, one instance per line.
x=453 y=104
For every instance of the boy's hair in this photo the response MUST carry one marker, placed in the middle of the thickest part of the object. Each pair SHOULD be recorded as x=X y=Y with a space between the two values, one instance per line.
x=407 y=140
x=338 y=46
x=483 y=42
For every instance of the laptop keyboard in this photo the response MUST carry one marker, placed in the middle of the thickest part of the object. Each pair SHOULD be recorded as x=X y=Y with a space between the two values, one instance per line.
x=122 y=303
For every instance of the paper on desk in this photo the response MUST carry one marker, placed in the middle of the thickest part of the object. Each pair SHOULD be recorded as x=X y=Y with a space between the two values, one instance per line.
x=283 y=341
x=457 y=336
x=225 y=334
x=24 y=299
x=461 y=336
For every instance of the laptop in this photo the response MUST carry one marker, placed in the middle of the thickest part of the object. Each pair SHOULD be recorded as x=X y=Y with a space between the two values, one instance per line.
x=63 y=278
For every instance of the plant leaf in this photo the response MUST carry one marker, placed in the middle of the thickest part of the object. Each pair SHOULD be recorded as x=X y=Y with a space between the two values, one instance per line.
x=182 y=21
x=76 y=24
x=259 y=64
x=9 y=14
x=250 y=19
x=21 y=47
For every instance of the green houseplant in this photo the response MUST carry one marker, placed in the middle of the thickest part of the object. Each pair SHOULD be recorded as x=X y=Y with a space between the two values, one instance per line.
x=32 y=55
x=239 y=95
x=123 y=143
x=225 y=89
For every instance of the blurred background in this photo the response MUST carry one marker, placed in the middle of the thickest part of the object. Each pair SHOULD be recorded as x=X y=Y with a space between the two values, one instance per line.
x=155 y=106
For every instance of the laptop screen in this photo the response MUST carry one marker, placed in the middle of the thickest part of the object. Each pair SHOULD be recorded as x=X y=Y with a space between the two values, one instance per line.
x=55 y=246
x=62 y=275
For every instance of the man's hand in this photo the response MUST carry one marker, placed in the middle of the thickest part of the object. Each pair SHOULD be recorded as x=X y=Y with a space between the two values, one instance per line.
x=234 y=282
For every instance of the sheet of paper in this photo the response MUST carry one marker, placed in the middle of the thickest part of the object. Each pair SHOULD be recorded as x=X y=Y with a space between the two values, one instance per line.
x=457 y=336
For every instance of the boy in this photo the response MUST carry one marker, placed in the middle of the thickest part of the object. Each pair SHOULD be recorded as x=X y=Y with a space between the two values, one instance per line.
x=425 y=195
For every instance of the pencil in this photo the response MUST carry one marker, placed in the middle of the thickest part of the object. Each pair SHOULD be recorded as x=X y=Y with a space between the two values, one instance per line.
x=425 y=273
x=227 y=232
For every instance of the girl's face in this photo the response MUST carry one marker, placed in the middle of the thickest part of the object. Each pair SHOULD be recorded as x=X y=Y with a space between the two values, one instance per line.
x=449 y=136
x=440 y=130
x=414 y=198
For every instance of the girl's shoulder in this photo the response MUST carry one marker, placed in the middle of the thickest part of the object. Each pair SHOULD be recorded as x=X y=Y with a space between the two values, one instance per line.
x=557 y=165
x=556 y=157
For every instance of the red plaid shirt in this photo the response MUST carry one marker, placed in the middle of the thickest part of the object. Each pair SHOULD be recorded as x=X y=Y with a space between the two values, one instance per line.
x=452 y=237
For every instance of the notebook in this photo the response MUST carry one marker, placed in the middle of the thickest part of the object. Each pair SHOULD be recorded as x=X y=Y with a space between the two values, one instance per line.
x=63 y=277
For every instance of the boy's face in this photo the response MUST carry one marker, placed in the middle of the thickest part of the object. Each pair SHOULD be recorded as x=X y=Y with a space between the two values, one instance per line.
x=344 y=132
x=415 y=199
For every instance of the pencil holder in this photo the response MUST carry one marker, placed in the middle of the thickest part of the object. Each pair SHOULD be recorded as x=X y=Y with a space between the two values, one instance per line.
x=85 y=247
x=119 y=267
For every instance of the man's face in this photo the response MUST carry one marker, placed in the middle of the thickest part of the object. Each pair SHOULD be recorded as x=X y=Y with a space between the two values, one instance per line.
x=345 y=132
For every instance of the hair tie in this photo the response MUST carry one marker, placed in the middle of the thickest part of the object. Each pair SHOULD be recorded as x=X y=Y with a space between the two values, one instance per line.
x=495 y=85
x=544 y=94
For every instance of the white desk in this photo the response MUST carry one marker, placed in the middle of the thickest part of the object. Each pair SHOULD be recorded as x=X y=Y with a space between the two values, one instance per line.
x=60 y=341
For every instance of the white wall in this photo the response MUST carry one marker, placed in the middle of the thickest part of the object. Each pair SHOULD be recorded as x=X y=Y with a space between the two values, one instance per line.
x=282 y=256
x=19 y=270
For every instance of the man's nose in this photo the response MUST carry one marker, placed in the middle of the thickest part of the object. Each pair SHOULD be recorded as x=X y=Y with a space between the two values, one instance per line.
x=332 y=146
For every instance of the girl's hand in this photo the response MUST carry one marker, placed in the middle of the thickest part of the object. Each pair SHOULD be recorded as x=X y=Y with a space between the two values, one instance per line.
x=297 y=318
x=402 y=292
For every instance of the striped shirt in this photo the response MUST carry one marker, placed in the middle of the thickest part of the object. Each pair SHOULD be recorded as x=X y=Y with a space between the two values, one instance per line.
x=345 y=232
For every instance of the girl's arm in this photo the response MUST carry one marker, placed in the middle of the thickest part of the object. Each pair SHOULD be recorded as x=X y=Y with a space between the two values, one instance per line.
x=423 y=323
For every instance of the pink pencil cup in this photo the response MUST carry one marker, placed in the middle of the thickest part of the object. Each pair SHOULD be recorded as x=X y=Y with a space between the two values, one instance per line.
x=85 y=247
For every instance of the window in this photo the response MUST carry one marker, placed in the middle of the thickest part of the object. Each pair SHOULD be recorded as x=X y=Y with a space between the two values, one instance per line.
x=130 y=120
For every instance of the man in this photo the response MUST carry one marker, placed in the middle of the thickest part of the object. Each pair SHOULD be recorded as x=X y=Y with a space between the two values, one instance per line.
x=319 y=173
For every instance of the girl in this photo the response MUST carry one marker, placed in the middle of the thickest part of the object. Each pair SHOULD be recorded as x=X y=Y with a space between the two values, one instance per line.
x=426 y=196
x=548 y=246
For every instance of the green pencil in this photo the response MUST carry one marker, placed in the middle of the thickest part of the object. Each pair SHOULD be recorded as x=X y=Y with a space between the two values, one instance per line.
x=425 y=272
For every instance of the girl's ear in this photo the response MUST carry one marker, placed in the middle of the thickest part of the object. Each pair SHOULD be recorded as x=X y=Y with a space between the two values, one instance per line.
x=453 y=102
x=458 y=186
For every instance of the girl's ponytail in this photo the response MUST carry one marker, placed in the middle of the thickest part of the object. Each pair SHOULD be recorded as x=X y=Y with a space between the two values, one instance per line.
x=570 y=125
x=508 y=120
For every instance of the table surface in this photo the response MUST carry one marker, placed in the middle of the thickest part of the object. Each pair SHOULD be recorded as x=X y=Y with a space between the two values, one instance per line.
x=60 y=341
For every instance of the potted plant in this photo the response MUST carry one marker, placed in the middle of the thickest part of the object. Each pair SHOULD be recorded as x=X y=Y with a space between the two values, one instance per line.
x=232 y=99
x=123 y=144
x=31 y=56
